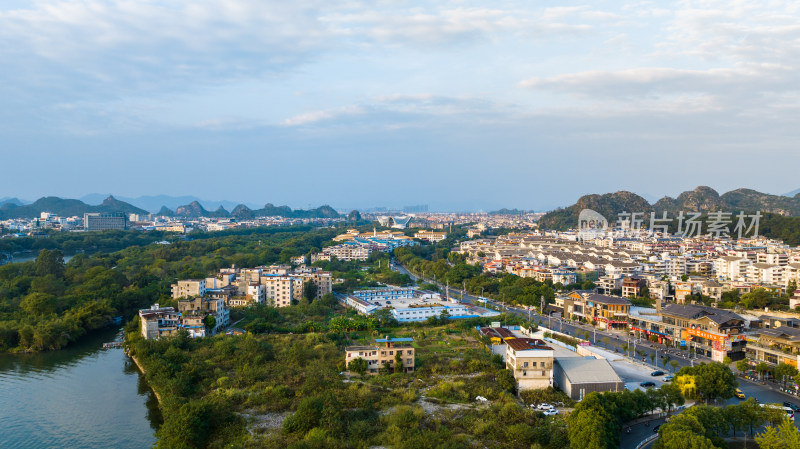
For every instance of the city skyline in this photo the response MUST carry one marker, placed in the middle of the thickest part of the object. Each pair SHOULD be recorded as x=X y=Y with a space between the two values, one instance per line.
x=456 y=104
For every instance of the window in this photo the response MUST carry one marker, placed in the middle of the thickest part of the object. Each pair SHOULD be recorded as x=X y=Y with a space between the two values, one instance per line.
x=533 y=364
x=524 y=373
x=525 y=364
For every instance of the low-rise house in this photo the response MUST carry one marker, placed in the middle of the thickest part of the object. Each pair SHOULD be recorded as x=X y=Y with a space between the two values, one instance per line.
x=531 y=362
x=383 y=353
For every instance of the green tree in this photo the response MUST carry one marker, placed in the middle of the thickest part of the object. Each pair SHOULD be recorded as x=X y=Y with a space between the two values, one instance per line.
x=672 y=396
x=753 y=414
x=49 y=262
x=683 y=431
x=39 y=304
x=210 y=321
x=743 y=365
x=398 y=362
x=358 y=365
x=784 y=371
x=762 y=368
x=785 y=436
x=309 y=290
x=588 y=428
x=713 y=380
x=506 y=381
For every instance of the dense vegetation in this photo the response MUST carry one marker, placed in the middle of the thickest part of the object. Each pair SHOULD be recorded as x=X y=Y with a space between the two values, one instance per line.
x=287 y=391
x=90 y=242
x=706 y=427
x=596 y=422
x=46 y=304
x=450 y=268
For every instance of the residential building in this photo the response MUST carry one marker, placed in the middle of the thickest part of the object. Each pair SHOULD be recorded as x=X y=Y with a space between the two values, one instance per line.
x=383 y=353
x=531 y=362
x=189 y=288
x=632 y=286
x=157 y=322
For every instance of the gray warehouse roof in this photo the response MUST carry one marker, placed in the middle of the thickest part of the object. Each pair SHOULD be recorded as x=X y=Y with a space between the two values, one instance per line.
x=582 y=370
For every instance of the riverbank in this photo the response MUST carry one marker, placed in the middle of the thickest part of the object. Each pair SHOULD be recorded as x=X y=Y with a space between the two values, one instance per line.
x=144 y=373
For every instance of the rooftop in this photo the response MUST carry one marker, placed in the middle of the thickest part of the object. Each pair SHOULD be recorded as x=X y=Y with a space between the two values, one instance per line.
x=527 y=344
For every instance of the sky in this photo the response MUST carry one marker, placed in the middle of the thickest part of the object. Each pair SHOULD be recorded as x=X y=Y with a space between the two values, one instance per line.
x=460 y=105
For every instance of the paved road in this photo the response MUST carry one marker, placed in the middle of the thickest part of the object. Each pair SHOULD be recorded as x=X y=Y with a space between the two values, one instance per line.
x=662 y=355
x=763 y=393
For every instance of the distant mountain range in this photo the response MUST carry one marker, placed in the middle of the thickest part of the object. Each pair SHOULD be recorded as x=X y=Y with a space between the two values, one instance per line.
x=70 y=207
x=65 y=208
x=700 y=199
x=153 y=203
x=241 y=211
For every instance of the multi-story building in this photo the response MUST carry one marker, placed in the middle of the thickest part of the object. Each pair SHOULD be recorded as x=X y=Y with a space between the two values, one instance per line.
x=157 y=322
x=431 y=236
x=767 y=273
x=347 y=252
x=732 y=268
x=531 y=362
x=191 y=309
x=383 y=354
x=775 y=345
x=97 y=221
x=189 y=288
x=715 y=332
x=278 y=289
x=632 y=286
x=609 y=283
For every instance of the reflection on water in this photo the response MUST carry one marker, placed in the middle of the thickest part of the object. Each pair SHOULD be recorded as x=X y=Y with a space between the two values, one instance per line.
x=79 y=397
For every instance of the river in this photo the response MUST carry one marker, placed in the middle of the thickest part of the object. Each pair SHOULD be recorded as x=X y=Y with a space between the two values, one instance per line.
x=80 y=397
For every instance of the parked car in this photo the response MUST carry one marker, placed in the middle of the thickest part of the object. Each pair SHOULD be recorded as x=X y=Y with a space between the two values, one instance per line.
x=739 y=394
x=668 y=378
x=545 y=407
x=657 y=373
x=648 y=384
x=552 y=412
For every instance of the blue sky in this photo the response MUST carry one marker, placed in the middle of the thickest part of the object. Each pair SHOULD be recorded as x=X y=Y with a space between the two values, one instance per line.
x=457 y=104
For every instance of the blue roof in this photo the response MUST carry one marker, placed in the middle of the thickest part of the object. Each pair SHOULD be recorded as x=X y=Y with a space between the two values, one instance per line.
x=393 y=340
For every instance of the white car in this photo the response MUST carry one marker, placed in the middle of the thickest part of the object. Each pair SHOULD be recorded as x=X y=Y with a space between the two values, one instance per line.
x=545 y=407
x=552 y=412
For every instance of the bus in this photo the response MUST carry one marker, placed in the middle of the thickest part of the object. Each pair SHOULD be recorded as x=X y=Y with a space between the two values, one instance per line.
x=788 y=410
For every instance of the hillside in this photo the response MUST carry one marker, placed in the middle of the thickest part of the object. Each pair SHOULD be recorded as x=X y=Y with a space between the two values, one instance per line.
x=65 y=208
x=701 y=199
x=609 y=204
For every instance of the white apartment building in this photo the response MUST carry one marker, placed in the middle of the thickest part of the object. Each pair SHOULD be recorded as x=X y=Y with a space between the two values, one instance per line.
x=764 y=273
x=732 y=268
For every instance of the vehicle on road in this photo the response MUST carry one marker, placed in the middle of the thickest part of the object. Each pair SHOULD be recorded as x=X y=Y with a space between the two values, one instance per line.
x=544 y=407
x=789 y=411
x=647 y=384
x=552 y=412
x=792 y=406
x=655 y=429
x=657 y=373
x=739 y=394
x=668 y=378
